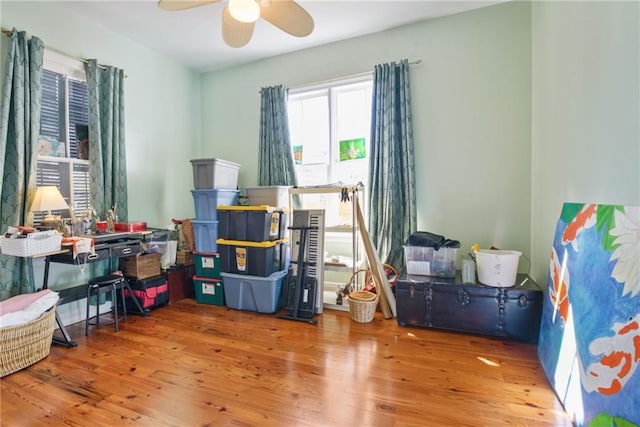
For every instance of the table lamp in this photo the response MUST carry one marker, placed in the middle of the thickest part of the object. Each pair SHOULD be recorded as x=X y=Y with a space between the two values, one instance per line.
x=48 y=198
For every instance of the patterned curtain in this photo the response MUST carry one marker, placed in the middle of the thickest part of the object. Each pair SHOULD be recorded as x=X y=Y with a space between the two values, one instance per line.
x=19 y=129
x=392 y=182
x=107 y=154
x=275 y=159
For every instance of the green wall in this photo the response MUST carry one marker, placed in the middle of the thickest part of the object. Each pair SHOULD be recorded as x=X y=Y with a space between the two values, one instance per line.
x=162 y=105
x=517 y=108
x=471 y=108
x=162 y=114
x=586 y=111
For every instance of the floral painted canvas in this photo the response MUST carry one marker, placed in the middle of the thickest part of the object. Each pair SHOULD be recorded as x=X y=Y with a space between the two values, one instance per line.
x=589 y=342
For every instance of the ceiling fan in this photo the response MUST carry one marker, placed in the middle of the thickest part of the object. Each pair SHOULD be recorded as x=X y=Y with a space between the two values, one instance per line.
x=239 y=17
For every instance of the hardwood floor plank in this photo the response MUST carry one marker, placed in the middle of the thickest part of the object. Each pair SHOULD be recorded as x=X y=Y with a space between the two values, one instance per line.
x=191 y=364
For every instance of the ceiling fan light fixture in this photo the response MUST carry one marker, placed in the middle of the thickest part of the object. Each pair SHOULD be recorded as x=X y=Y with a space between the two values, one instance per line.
x=244 y=10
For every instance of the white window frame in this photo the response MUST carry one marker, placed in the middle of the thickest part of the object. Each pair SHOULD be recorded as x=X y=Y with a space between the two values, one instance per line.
x=73 y=69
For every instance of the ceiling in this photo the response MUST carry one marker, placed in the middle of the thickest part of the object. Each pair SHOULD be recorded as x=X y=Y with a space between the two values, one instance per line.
x=193 y=37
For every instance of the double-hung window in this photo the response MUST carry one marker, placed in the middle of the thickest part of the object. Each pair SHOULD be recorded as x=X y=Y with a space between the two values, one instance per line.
x=63 y=149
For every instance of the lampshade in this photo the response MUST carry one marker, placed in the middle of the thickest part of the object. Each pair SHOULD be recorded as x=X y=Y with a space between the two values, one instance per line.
x=244 y=10
x=48 y=198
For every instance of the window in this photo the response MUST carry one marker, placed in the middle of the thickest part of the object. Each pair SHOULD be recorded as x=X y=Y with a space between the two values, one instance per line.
x=63 y=149
x=330 y=126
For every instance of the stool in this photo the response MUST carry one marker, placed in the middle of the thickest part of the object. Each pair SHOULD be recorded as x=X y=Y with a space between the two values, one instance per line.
x=112 y=283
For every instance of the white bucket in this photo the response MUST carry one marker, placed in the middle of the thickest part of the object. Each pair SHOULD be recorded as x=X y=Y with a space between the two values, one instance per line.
x=497 y=267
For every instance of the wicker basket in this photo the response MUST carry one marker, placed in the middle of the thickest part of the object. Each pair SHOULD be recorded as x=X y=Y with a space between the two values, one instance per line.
x=37 y=243
x=362 y=306
x=142 y=266
x=184 y=258
x=24 y=345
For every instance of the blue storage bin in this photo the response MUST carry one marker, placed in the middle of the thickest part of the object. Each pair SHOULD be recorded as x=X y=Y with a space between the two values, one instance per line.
x=207 y=201
x=205 y=233
x=253 y=293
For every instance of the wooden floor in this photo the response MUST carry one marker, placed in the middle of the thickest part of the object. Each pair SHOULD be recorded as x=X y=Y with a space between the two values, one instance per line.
x=201 y=365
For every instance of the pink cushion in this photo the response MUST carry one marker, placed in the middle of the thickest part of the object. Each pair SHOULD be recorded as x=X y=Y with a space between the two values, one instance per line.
x=20 y=302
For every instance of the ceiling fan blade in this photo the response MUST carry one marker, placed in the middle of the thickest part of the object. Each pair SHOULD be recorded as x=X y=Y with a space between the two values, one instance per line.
x=235 y=33
x=287 y=15
x=173 y=5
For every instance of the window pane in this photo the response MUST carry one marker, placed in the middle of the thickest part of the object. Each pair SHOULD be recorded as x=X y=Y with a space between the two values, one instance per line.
x=353 y=114
x=81 y=193
x=62 y=153
x=52 y=173
x=56 y=174
x=312 y=174
x=52 y=113
x=309 y=128
x=78 y=115
x=353 y=122
x=319 y=119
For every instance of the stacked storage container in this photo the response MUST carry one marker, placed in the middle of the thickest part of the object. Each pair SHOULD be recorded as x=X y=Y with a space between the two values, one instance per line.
x=215 y=184
x=253 y=256
x=275 y=195
x=145 y=278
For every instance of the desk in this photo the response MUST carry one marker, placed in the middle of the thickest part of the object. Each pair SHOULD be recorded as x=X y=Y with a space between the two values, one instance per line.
x=107 y=246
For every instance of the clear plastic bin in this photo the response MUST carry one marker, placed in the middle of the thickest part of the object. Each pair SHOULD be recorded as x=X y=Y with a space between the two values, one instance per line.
x=429 y=262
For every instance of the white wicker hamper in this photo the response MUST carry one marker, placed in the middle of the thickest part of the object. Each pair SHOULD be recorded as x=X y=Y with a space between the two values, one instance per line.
x=39 y=242
x=23 y=345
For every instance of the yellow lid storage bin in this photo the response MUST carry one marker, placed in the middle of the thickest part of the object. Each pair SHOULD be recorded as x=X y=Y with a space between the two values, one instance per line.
x=251 y=223
x=253 y=258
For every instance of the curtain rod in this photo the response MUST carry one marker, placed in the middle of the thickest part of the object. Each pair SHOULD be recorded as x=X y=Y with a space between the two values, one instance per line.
x=8 y=33
x=352 y=76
